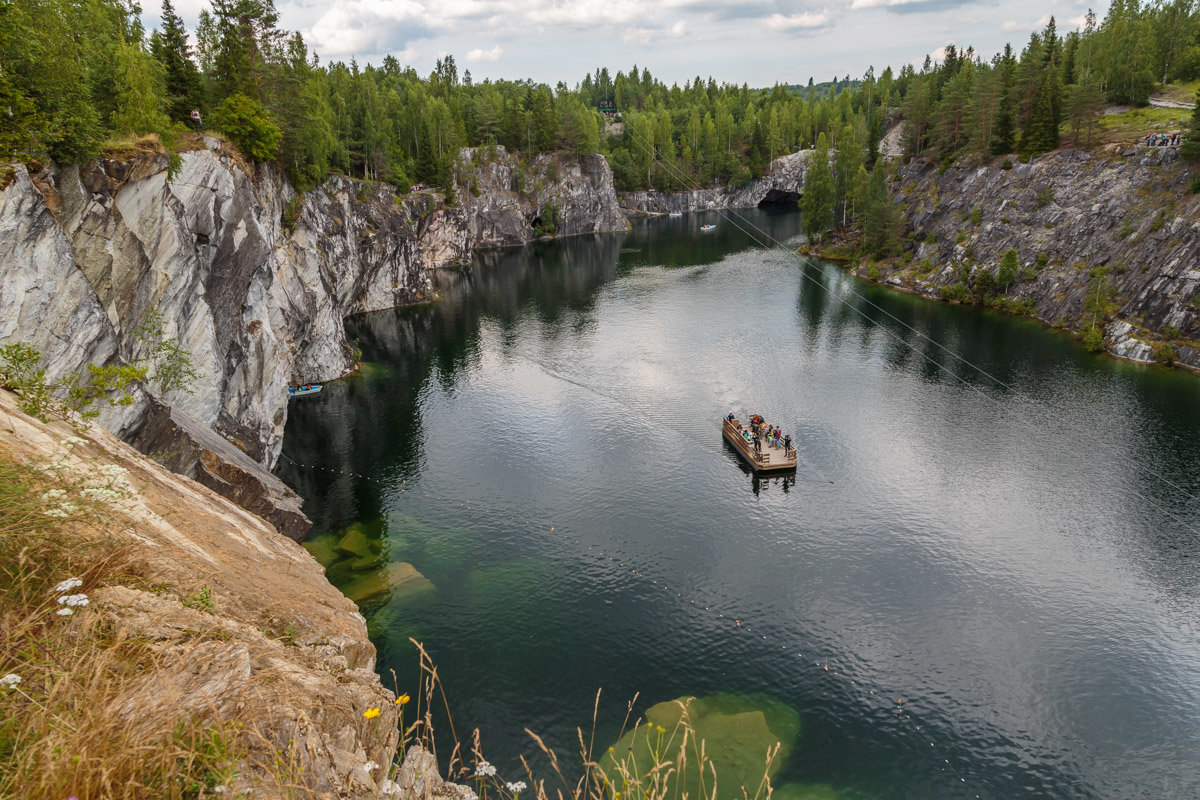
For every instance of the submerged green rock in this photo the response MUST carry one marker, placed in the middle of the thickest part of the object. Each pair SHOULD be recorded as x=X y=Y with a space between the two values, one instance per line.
x=398 y=579
x=356 y=541
x=323 y=549
x=738 y=733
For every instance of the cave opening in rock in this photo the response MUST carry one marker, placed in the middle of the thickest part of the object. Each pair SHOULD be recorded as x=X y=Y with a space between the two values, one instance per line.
x=779 y=197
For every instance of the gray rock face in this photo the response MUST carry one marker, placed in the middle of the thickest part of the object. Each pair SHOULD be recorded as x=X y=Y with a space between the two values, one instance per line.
x=251 y=279
x=503 y=198
x=783 y=181
x=1124 y=214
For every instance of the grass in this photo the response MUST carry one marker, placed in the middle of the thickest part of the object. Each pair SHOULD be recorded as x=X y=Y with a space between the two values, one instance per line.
x=1130 y=126
x=63 y=731
x=1184 y=92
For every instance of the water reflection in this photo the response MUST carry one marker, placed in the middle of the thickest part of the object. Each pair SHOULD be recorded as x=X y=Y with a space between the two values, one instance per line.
x=543 y=446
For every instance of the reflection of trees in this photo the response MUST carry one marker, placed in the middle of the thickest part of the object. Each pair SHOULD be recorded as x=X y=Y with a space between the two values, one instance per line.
x=371 y=424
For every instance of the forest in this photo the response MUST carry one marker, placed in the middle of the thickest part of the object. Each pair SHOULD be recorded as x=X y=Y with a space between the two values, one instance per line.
x=77 y=77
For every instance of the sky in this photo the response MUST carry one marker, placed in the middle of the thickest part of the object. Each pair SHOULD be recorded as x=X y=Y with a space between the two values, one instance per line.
x=759 y=42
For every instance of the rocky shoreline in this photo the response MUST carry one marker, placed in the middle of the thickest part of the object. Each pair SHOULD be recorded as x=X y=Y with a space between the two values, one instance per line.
x=1119 y=226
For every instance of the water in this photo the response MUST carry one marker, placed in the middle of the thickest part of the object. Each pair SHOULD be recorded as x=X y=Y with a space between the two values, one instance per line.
x=1015 y=558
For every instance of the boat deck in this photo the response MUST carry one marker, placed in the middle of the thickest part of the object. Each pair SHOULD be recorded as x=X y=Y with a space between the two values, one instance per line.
x=771 y=459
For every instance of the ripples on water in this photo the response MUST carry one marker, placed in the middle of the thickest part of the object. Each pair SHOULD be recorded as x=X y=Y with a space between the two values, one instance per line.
x=1017 y=561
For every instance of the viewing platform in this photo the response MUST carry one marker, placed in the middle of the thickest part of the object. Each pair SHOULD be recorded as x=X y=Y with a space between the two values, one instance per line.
x=768 y=459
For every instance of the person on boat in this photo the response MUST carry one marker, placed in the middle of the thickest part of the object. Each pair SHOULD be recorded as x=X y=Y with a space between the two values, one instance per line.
x=787 y=444
x=758 y=444
x=730 y=416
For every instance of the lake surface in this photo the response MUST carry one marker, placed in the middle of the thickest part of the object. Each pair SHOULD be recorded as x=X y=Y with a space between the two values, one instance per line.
x=1014 y=555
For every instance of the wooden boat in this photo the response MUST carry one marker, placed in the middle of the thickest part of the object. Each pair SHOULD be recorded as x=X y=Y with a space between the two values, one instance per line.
x=300 y=391
x=769 y=459
x=707 y=228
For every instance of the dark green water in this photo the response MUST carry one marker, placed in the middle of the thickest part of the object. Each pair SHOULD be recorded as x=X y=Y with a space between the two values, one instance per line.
x=1018 y=562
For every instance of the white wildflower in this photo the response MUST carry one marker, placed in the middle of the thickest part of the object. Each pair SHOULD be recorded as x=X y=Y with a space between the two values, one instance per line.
x=484 y=770
x=370 y=765
x=68 y=585
x=10 y=680
x=71 y=441
x=57 y=513
x=73 y=600
x=53 y=494
x=65 y=612
x=112 y=470
x=57 y=464
x=518 y=786
x=218 y=790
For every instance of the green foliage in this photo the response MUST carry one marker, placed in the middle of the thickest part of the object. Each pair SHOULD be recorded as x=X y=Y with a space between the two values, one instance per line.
x=1006 y=164
x=75 y=398
x=873 y=273
x=547 y=223
x=1163 y=353
x=172 y=364
x=817 y=202
x=1093 y=340
x=249 y=126
x=291 y=213
x=1009 y=271
x=202 y=600
x=1172 y=333
x=174 y=165
x=956 y=292
x=1043 y=259
x=1126 y=229
x=1044 y=196
x=976 y=215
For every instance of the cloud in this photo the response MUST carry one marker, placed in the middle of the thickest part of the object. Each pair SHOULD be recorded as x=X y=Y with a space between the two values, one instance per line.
x=911 y=6
x=485 y=55
x=806 y=20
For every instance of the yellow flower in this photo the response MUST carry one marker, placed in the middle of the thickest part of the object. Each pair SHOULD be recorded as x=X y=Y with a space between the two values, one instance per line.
x=371 y=713
x=402 y=699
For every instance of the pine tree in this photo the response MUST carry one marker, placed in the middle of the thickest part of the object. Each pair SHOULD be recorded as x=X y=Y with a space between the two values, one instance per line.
x=816 y=203
x=181 y=78
x=1190 y=149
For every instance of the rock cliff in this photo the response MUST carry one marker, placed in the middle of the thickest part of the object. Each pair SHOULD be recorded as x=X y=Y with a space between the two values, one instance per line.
x=782 y=182
x=252 y=279
x=271 y=644
x=1119 y=225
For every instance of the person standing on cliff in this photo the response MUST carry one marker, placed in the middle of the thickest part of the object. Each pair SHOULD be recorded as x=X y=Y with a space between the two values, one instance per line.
x=196 y=120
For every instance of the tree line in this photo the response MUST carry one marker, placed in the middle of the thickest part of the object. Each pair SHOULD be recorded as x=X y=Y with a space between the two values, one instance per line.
x=77 y=73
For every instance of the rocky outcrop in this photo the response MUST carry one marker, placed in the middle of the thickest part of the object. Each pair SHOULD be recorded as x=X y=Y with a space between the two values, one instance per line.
x=1118 y=224
x=235 y=623
x=252 y=280
x=783 y=181
x=503 y=198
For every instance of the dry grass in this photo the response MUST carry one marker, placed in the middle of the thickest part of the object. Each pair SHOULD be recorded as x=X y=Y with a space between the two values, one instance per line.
x=67 y=728
x=121 y=146
x=671 y=763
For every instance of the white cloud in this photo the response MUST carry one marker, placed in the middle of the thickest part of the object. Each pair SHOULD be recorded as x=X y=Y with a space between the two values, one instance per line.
x=485 y=55
x=857 y=4
x=806 y=20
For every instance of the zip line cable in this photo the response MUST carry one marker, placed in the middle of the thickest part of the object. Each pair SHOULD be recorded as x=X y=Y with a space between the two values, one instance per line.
x=775 y=244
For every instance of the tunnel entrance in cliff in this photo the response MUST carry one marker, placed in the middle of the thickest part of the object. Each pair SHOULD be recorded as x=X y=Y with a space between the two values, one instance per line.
x=778 y=197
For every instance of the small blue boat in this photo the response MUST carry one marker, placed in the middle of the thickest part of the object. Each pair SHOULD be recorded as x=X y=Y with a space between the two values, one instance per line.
x=300 y=391
x=707 y=228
